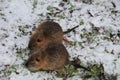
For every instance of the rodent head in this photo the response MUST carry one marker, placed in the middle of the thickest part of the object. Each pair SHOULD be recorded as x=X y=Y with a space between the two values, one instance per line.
x=46 y=32
x=47 y=58
x=37 y=40
x=35 y=61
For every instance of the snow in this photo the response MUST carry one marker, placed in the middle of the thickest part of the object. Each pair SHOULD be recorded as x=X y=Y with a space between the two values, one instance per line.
x=16 y=14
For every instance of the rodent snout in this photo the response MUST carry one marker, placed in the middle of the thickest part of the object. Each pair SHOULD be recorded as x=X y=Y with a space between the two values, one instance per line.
x=26 y=64
x=30 y=47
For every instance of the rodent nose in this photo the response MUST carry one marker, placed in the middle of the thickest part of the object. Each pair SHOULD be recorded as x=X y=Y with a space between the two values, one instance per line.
x=26 y=65
x=30 y=47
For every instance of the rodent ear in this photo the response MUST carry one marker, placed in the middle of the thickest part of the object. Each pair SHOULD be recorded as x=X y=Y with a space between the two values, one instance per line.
x=46 y=34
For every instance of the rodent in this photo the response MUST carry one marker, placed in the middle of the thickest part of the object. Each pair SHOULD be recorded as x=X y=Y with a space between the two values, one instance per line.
x=48 y=31
x=52 y=57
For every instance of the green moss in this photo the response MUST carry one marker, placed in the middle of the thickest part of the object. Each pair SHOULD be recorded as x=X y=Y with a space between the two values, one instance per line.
x=82 y=35
x=114 y=11
x=95 y=71
x=60 y=16
x=81 y=22
x=80 y=43
x=35 y=4
x=74 y=43
x=71 y=7
x=11 y=69
x=97 y=3
x=50 y=8
x=71 y=70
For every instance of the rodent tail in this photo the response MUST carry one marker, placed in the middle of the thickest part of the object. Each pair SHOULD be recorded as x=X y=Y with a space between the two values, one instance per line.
x=76 y=64
x=69 y=30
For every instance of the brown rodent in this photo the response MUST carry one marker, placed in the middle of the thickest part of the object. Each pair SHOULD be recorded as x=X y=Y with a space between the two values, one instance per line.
x=53 y=57
x=46 y=32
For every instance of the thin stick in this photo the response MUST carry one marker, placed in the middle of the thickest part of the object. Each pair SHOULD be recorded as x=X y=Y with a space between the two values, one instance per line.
x=69 y=30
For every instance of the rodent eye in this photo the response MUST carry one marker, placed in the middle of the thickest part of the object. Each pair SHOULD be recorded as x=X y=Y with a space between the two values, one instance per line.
x=39 y=40
x=37 y=59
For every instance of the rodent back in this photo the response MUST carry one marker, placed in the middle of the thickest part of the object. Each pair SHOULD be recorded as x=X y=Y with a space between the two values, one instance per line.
x=50 y=28
x=57 y=51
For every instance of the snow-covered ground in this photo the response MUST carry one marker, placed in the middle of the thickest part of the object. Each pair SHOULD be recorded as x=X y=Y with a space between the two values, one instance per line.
x=97 y=40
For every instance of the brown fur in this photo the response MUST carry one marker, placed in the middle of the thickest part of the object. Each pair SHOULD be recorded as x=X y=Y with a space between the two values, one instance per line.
x=46 y=32
x=52 y=57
